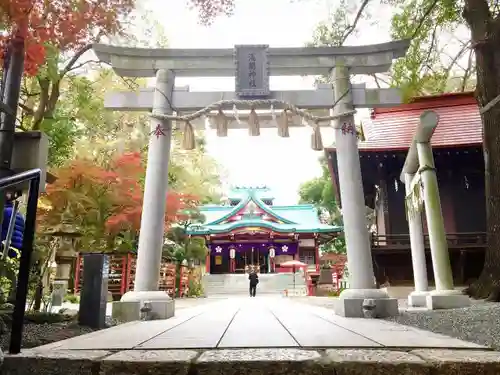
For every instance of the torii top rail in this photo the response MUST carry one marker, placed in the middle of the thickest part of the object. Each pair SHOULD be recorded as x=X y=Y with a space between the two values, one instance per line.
x=144 y=62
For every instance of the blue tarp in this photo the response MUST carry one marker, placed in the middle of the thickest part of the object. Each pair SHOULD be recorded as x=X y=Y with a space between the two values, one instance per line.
x=17 y=235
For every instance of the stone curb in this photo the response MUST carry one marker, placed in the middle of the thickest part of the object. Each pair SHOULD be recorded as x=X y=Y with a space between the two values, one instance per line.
x=254 y=362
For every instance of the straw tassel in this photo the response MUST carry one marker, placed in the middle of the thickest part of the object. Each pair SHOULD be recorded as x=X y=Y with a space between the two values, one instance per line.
x=188 y=142
x=222 y=121
x=253 y=124
x=283 y=130
x=316 y=140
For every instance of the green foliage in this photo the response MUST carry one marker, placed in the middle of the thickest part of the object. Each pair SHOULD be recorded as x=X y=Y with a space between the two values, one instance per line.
x=426 y=68
x=8 y=271
x=320 y=192
x=195 y=288
x=72 y=298
x=62 y=133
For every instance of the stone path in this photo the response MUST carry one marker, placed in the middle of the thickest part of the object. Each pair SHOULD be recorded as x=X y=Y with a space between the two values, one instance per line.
x=263 y=335
x=265 y=322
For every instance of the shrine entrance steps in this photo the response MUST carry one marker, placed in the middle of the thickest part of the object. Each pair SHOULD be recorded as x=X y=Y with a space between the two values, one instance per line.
x=269 y=284
x=266 y=335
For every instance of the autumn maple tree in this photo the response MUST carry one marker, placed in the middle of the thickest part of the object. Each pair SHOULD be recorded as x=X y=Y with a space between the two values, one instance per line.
x=104 y=202
x=56 y=34
x=67 y=25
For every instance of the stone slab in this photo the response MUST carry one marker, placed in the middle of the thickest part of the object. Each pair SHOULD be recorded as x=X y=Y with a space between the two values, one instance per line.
x=57 y=362
x=453 y=301
x=147 y=362
x=393 y=335
x=375 y=362
x=203 y=331
x=125 y=337
x=417 y=299
x=312 y=331
x=259 y=361
x=461 y=362
x=255 y=326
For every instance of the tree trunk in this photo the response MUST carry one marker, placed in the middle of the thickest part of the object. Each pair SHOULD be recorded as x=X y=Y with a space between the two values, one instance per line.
x=485 y=36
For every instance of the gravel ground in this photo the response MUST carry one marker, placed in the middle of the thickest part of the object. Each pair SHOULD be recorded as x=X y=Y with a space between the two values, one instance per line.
x=41 y=334
x=479 y=323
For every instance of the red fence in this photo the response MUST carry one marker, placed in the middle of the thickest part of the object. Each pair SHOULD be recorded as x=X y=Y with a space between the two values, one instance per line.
x=122 y=274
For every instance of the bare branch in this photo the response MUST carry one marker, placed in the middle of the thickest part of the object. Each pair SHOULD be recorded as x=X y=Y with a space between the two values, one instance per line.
x=457 y=57
x=74 y=59
x=468 y=71
x=78 y=66
x=350 y=29
x=27 y=109
x=422 y=20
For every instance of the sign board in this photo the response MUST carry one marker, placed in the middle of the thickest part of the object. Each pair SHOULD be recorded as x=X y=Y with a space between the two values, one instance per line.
x=252 y=71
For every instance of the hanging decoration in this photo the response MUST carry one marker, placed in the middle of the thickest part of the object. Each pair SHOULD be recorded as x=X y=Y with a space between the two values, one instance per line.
x=316 y=140
x=414 y=200
x=253 y=120
x=253 y=124
x=272 y=252
x=232 y=252
x=188 y=141
x=283 y=125
x=221 y=122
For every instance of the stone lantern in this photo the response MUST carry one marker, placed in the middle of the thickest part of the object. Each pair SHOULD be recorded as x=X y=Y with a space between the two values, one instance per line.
x=66 y=236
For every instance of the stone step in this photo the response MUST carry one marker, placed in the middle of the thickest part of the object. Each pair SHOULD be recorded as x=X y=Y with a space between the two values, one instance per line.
x=270 y=361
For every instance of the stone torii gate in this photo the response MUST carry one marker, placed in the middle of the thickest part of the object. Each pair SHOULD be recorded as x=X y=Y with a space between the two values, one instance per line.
x=419 y=176
x=252 y=66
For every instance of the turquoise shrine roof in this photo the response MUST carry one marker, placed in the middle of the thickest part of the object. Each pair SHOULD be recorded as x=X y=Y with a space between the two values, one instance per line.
x=251 y=211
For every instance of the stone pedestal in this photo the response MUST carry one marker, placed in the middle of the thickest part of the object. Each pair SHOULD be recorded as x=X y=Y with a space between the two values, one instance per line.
x=446 y=299
x=350 y=303
x=418 y=299
x=129 y=308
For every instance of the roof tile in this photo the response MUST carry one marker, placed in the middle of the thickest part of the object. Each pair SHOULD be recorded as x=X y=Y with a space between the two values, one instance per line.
x=394 y=128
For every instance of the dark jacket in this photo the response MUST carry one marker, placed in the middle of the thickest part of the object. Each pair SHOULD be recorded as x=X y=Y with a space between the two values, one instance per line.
x=254 y=278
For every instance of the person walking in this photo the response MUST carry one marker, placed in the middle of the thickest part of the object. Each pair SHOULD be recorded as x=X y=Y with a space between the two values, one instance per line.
x=254 y=280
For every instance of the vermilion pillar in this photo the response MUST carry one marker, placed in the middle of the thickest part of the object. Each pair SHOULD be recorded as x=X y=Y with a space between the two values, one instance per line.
x=316 y=254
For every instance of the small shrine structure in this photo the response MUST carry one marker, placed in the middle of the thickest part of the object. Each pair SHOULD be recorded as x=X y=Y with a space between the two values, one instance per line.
x=250 y=231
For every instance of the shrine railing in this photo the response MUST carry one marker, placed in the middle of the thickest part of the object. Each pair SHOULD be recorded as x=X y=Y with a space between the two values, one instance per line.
x=455 y=240
x=17 y=183
x=122 y=274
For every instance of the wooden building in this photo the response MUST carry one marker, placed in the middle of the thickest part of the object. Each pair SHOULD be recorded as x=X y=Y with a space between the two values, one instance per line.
x=250 y=231
x=457 y=148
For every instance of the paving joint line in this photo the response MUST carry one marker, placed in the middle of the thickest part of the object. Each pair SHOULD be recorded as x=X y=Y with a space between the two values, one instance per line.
x=227 y=327
x=169 y=329
x=284 y=327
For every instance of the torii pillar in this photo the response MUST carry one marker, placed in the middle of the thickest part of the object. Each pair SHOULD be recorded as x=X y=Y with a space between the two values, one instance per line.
x=361 y=276
x=151 y=238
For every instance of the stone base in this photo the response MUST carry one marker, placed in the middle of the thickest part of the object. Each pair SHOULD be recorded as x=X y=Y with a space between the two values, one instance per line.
x=446 y=299
x=350 y=303
x=417 y=299
x=129 y=308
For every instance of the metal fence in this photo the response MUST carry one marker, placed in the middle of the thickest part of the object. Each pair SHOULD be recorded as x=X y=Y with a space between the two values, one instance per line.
x=33 y=178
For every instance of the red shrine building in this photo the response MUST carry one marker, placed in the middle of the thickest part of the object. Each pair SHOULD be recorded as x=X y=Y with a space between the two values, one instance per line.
x=458 y=155
x=250 y=231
